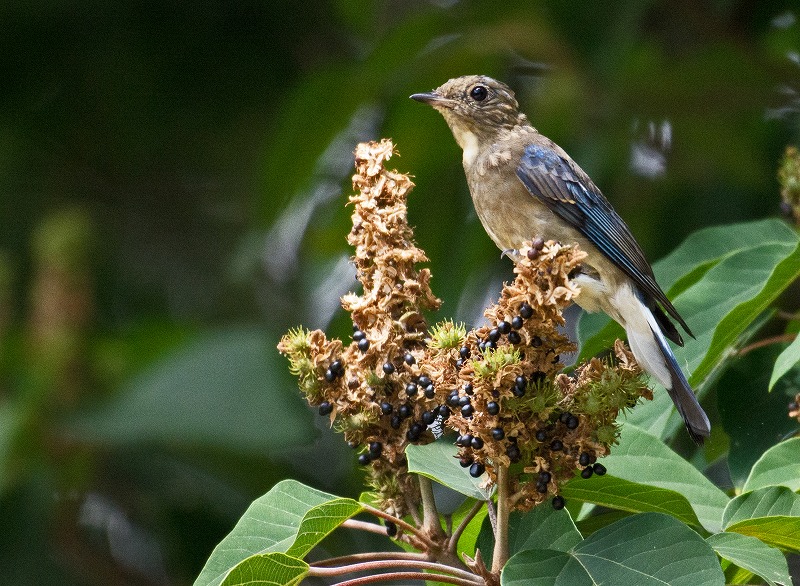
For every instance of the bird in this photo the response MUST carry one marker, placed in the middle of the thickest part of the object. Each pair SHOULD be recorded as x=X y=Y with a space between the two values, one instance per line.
x=523 y=186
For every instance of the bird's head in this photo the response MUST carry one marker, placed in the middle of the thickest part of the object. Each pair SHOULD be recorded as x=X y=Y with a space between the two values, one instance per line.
x=475 y=106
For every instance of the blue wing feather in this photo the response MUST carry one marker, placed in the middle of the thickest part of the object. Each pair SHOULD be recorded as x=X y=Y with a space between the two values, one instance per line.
x=566 y=190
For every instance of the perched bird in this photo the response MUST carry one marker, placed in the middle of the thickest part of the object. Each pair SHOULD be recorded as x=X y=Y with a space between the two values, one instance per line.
x=524 y=186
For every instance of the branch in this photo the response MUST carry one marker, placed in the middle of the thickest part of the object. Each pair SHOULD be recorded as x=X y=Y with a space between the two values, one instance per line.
x=500 y=555
x=453 y=543
x=371 y=566
x=371 y=556
x=393 y=576
x=410 y=529
x=364 y=526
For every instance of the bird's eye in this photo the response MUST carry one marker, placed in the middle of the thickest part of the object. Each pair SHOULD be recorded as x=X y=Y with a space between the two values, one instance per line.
x=479 y=93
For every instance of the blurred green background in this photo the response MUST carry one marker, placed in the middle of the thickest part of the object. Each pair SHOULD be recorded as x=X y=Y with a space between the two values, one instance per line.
x=172 y=180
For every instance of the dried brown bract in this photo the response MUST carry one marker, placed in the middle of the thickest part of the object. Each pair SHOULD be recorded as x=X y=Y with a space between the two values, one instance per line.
x=498 y=387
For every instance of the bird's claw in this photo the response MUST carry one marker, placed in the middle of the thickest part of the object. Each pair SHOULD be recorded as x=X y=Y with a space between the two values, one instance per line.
x=511 y=253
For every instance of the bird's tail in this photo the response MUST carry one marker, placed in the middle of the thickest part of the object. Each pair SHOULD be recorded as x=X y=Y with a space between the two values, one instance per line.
x=654 y=355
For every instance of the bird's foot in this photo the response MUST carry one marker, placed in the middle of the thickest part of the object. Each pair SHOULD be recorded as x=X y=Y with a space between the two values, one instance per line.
x=511 y=253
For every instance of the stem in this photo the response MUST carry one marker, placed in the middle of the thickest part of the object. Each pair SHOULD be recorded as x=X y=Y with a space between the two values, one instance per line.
x=430 y=516
x=767 y=342
x=403 y=525
x=492 y=512
x=500 y=555
x=371 y=556
x=413 y=510
x=392 y=576
x=453 y=543
x=371 y=566
x=364 y=526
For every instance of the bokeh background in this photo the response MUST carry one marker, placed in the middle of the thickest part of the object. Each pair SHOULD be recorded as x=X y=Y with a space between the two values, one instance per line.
x=173 y=177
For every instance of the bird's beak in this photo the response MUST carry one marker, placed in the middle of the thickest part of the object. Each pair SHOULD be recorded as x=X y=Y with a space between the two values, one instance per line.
x=434 y=99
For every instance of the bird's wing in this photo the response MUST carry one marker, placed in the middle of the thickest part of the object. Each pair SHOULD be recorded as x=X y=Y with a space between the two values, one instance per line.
x=567 y=191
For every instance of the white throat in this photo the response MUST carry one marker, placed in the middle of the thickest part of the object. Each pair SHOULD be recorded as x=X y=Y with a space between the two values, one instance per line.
x=469 y=143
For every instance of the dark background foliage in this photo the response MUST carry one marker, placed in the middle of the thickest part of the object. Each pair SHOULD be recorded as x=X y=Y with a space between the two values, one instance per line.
x=171 y=180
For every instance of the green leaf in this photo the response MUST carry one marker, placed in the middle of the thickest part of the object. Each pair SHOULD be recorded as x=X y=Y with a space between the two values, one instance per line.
x=291 y=517
x=230 y=390
x=269 y=569
x=540 y=528
x=778 y=466
x=754 y=418
x=644 y=549
x=634 y=497
x=437 y=461
x=643 y=458
x=789 y=358
x=771 y=514
x=764 y=502
x=753 y=555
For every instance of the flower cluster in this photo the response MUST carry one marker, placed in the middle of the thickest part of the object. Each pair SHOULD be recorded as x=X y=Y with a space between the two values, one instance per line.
x=499 y=387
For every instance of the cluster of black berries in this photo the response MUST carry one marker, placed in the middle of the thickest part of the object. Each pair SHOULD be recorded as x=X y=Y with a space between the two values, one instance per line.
x=509 y=329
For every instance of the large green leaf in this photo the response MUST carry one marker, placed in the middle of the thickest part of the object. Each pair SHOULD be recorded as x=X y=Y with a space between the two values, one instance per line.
x=789 y=358
x=291 y=518
x=438 y=462
x=268 y=569
x=540 y=528
x=753 y=555
x=644 y=549
x=643 y=458
x=778 y=466
x=230 y=390
x=771 y=514
x=754 y=418
x=732 y=274
x=634 y=497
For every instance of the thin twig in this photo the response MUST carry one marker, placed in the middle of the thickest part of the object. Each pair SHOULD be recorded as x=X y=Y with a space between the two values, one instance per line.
x=402 y=525
x=500 y=554
x=370 y=566
x=364 y=526
x=413 y=510
x=390 y=576
x=372 y=556
x=453 y=543
x=430 y=516
x=767 y=342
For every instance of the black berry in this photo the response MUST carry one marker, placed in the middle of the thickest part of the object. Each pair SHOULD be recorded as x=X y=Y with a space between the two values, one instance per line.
x=525 y=311
x=520 y=382
x=363 y=459
x=386 y=408
x=476 y=470
x=336 y=367
x=476 y=443
x=428 y=417
x=513 y=453
x=388 y=368
x=556 y=445
x=466 y=461
x=459 y=364
x=565 y=416
x=395 y=422
x=423 y=381
x=391 y=528
x=467 y=411
x=454 y=400
x=325 y=408
x=504 y=327
x=558 y=503
x=464 y=401
x=538 y=243
x=516 y=322
x=541 y=435
x=514 y=338
x=498 y=433
x=599 y=469
x=492 y=408
x=375 y=450
x=444 y=411
x=411 y=389
x=587 y=472
x=585 y=459
x=409 y=359
x=330 y=376
x=363 y=345
x=404 y=411
x=536 y=341
x=358 y=335
x=468 y=388
x=430 y=393
x=544 y=477
x=572 y=422
x=464 y=352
